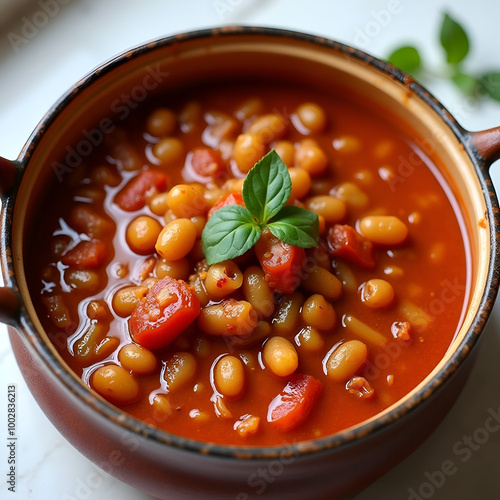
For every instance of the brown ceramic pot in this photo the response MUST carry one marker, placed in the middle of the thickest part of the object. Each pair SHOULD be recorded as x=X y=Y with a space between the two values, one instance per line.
x=171 y=467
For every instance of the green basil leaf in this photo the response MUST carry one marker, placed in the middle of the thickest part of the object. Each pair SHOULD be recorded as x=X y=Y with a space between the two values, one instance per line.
x=466 y=83
x=454 y=40
x=267 y=187
x=229 y=233
x=407 y=58
x=490 y=84
x=296 y=226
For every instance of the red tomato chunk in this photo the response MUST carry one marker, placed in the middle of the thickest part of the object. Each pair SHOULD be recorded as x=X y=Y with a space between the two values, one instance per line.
x=235 y=198
x=166 y=311
x=292 y=406
x=282 y=263
x=344 y=242
x=86 y=255
x=207 y=162
x=134 y=195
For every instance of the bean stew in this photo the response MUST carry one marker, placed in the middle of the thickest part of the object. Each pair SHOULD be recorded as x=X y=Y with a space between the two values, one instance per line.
x=282 y=343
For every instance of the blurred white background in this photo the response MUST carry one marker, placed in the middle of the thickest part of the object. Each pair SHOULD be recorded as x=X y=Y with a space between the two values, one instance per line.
x=47 y=45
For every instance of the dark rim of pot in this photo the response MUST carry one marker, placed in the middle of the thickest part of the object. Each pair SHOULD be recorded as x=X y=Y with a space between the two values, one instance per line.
x=125 y=421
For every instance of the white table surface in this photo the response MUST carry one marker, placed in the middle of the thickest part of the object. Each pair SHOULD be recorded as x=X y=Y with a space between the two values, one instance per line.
x=76 y=36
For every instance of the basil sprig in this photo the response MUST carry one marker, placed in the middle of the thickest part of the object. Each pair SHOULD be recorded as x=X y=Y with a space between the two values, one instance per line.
x=232 y=230
x=455 y=44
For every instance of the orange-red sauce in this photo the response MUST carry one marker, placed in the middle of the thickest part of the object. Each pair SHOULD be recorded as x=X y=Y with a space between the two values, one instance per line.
x=364 y=147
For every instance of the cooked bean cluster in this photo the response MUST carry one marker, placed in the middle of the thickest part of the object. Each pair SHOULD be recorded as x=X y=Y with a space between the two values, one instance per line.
x=132 y=236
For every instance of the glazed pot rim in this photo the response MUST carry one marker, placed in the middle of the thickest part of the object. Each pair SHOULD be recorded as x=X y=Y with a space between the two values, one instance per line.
x=361 y=430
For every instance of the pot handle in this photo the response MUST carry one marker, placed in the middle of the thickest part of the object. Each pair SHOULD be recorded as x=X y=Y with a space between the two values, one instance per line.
x=9 y=301
x=9 y=306
x=8 y=171
x=487 y=145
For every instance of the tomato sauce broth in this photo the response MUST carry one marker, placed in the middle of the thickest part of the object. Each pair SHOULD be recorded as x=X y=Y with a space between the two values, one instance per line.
x=428 y=271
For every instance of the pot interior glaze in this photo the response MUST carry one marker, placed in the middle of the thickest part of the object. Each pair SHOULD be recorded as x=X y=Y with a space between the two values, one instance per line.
x=167 y=64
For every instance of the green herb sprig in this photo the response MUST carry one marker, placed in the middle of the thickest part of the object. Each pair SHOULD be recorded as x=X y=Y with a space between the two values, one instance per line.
x=455 y=42
x=232 y=230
